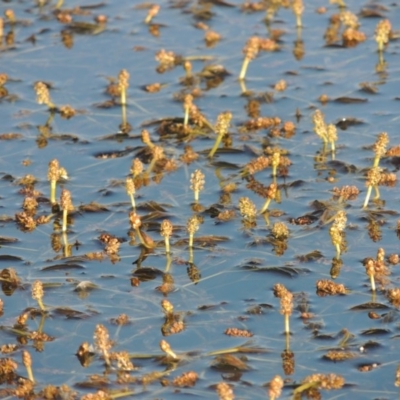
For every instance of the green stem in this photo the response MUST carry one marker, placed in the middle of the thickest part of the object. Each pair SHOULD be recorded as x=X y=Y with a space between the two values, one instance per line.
x=265 y=206
x=133 y=201
x=367 y=196
x=245 y=64
x=64 y=222
x=216 y=145
x=372 y=279
x=53 y=184
x=191 y=239
x=287 y=330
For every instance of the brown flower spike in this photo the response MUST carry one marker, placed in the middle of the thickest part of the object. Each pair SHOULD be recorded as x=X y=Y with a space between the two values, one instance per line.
x=66 y=205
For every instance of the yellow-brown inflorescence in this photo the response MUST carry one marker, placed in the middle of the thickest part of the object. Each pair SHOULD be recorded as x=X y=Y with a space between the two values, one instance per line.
x=250 y=52
x=271 y=194
x=37 y=293
x=54 y=173
x=66 y=205
x=197 y=182
x=136 y=167
x=373 y=179
x=379 y=147
x=123 y=84
x=336 y=231
x=153 y=11
x=345 y=193
x=136 y=223
x=312 y=383
x=43 y=95
x=27 y=361
x=275 y=387
x=192 y=226
x=382 y=33
x=286 y=299
x=166 y=348
x=320 y=126
x=102 y=342
x=298 y=8
x=280 y=231
x=166 y=232
x=224 y=391
x=130 y=190
x=221 y=129
x=247 y=208
x=327 y=287
x=370 y=271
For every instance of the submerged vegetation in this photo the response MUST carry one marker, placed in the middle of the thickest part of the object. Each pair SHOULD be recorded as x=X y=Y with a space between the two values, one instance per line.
x=177 y=197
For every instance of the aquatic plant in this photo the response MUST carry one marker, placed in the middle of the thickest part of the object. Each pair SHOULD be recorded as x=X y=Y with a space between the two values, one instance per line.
x=197 y=182
x=166 y=231
x=66 y=206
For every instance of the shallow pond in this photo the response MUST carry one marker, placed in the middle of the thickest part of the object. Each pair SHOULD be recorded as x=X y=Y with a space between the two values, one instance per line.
x=226 y=279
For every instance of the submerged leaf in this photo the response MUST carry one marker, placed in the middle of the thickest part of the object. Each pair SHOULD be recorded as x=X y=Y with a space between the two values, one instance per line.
x=61 y=267
x=147 y=273
x=369 y=306
x=93 y=207
x=350 y=100
x=228 y=362
x=6 y=239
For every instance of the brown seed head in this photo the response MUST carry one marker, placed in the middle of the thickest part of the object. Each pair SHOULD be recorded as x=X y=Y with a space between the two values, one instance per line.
x=349 y=19
x=30 y=203
x=67 y=112
x=26 y=359
x=135 y=220
x=223 y=122
x=130 y=186
x=166 y=59
x=3 y=79
x=53 y=170
x=9 y=14
x=382 y=31
x=137 y=167
x=146 y=138
x=257 y=165
x=224 y=391
x=380 y=145
x=319 y=124
x=166 y=228
x=42 y=93
x=280 y=230
x=192 y=225
x=65 y=200
x=275 y=387
x=251 y=48
x=167 y=306
x=287 y=303
x=166 y=348
x=373 y=176
x=37 y=290
x=328 y=287
x=298 y=7
x=101 y=338
x=153 y=11
x=340 y=220
x=187 y=379
x=247 y=208
x=327 y=382
x=123 y=79
x=197 y=181
x=346 y=192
